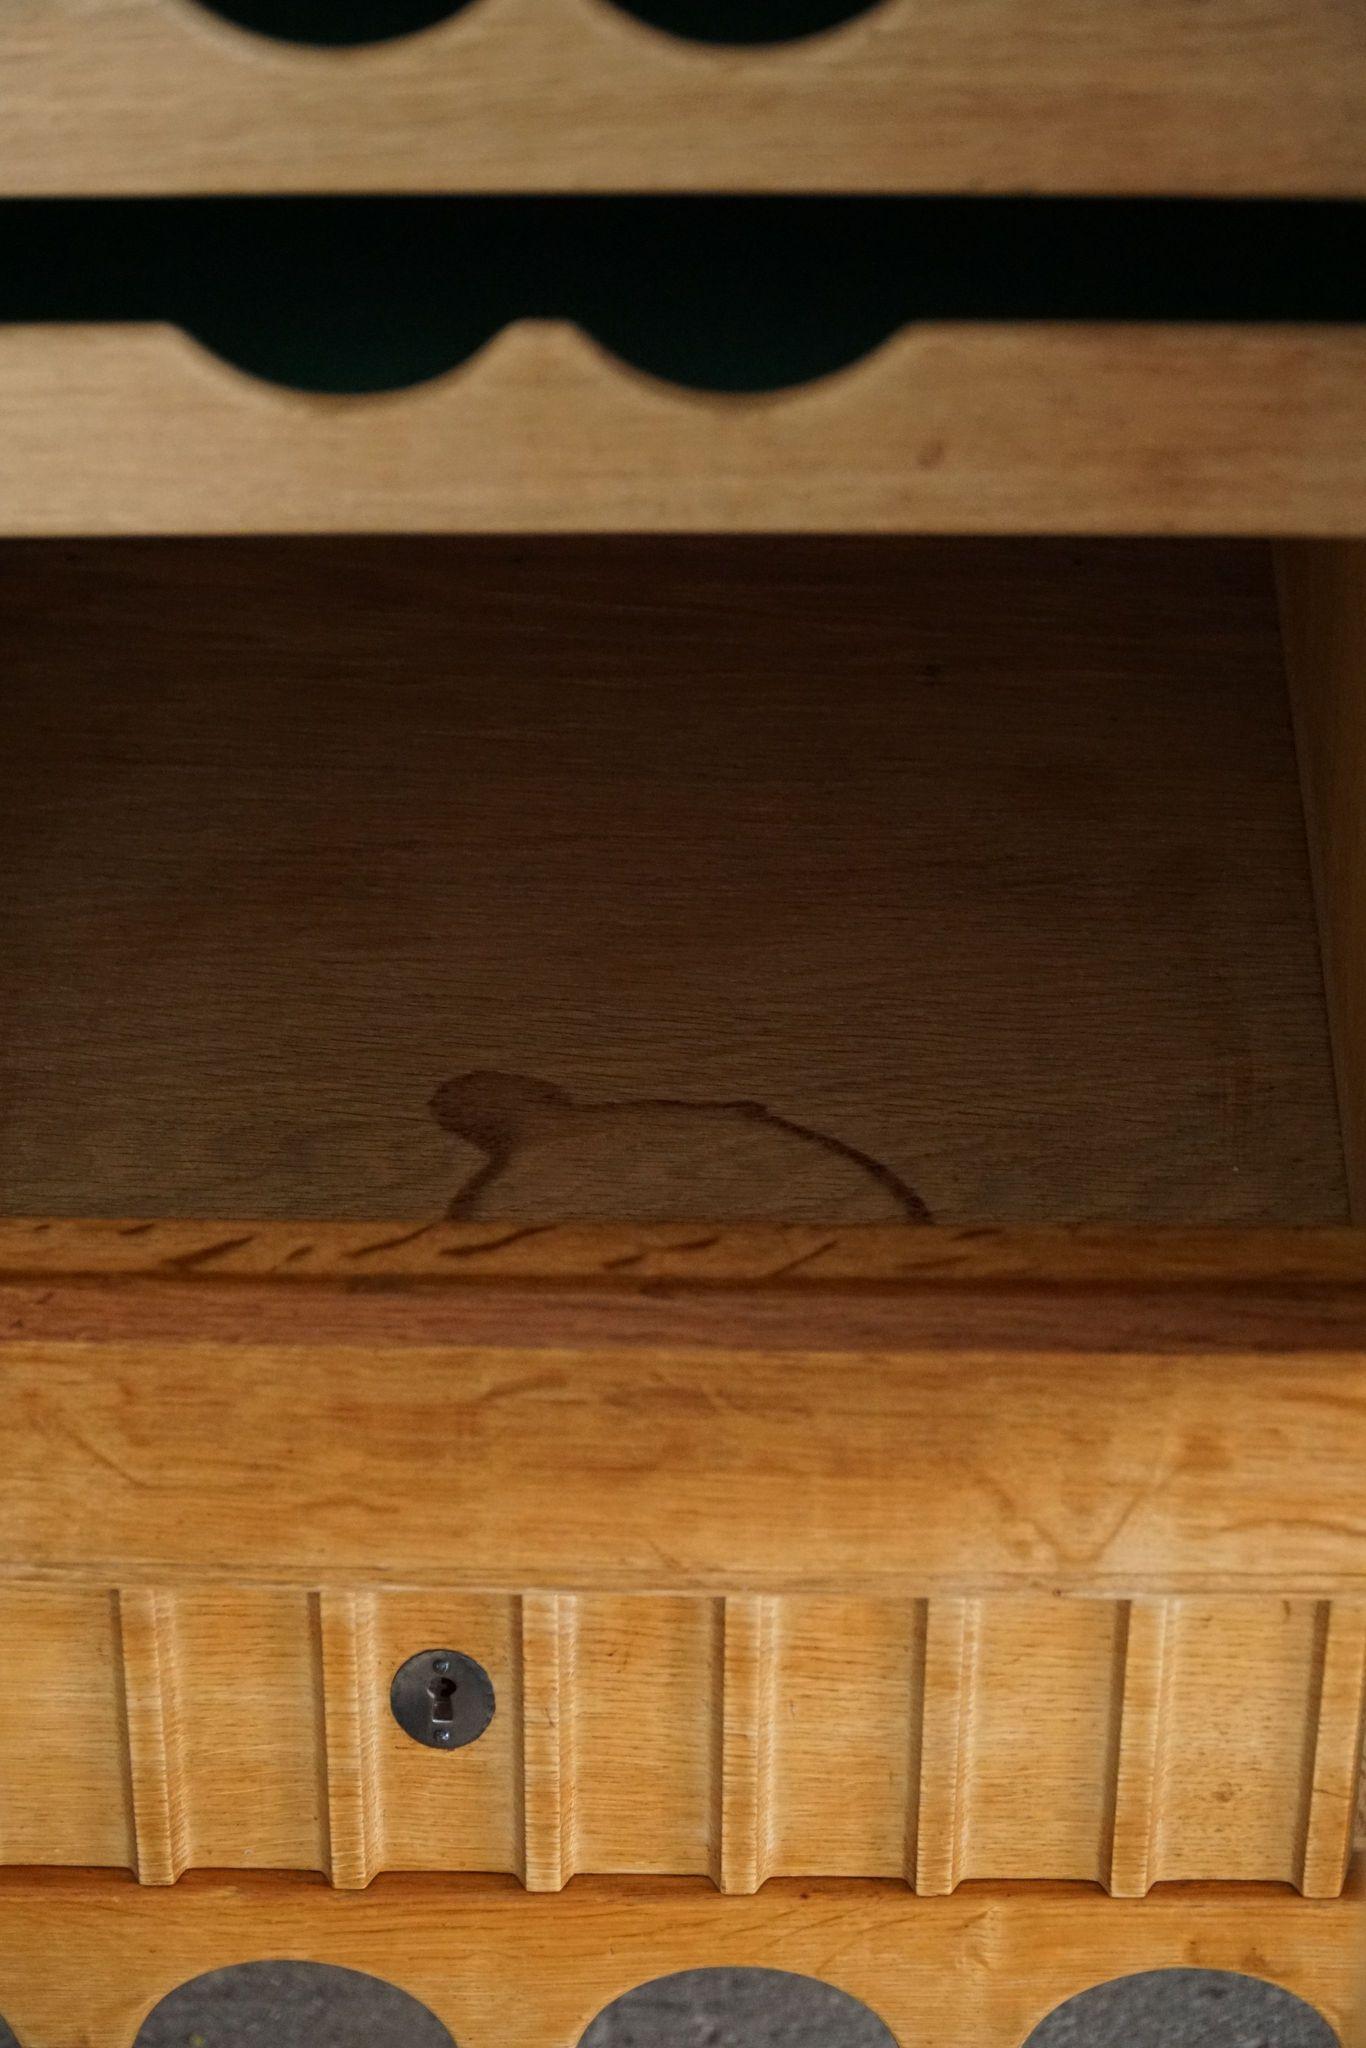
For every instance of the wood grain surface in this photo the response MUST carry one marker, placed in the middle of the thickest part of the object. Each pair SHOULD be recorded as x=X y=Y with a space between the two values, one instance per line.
x=817 y=877
x=1242 y=96
x=949 y=428
x=1323 y=593
x=85 y=1957
x=748 y=1609
x=1187 y=1441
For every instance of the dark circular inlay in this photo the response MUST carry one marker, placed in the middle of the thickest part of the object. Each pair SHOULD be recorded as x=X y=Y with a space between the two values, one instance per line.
x=442 y=1698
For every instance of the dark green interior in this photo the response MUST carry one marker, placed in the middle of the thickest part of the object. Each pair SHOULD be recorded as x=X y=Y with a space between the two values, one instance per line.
x=369 y=21
x=726 y=294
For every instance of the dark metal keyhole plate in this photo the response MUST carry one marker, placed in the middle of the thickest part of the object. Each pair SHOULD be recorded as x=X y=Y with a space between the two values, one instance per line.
x=442 y=1698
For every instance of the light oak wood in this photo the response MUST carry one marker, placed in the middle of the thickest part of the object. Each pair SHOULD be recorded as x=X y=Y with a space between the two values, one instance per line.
x=1332 y=1813
x=748 y=1608
x=1041 y=948
x=1205 y=1416
x=540 y=95
x=1145 y=1635
x=849 y=1681
x=85 y=1958
x=156 y=1755
x=1036 y=1739
x=352 y=1706
x=64 y=1796
x=1323 y=595
x=549 y=1688
x=1148 y=1466
x=121 y=429
x=952 y=1642
x=749 y=1706
x=1232 y=1746
x=645 y=1766
x=748 y=1736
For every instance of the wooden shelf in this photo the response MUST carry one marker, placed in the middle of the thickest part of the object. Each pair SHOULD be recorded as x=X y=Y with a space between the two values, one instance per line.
x=949 y=428
x=140 y=96
x=822 y=876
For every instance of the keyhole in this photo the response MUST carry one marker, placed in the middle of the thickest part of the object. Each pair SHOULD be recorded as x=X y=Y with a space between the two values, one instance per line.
x=442 y=1698
x=441 y=1692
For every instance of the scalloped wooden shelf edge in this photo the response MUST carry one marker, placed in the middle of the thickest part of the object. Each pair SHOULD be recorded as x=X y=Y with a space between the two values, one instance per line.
x=948 y=428
x=575 y=95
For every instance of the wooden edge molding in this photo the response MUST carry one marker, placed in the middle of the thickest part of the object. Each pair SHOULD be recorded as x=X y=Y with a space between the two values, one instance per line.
x=955 y=1438
x=756 y=1286
x=86 y=1956
x=947 y=428
x=627 y=1256
x=546 y=95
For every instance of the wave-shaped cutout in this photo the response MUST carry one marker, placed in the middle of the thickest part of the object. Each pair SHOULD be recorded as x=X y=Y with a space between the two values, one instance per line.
x=746 y=21
x=333 y=22
x=330 y=23
x=725 y=295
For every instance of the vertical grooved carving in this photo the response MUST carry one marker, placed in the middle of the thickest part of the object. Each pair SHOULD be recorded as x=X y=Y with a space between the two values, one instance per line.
x=745 y=1687
x=1334 y=1750
x=355 y=1813
x=1134 y=1850
x=950 y=1680
x=547 y=1652
x=152 y=1706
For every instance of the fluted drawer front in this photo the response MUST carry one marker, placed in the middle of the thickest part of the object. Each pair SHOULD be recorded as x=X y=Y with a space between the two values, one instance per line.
x=1159 y=96
x=743 y=1737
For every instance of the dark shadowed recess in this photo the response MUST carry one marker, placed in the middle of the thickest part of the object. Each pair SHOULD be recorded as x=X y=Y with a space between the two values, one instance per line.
x=371 y=21
x=725 y=294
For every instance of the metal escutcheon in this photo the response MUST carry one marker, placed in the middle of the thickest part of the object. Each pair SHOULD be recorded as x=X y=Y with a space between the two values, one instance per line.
x=442 y=1698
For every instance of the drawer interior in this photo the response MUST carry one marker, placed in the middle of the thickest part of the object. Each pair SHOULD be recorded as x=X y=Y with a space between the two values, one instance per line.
x=827 y=880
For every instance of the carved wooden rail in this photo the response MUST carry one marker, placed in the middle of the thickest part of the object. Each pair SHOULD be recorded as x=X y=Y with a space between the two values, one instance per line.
x=949 y=428
x=541 y=95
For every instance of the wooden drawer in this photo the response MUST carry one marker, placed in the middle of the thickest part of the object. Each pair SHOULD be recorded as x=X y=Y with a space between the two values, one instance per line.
x=689 y=919
x=139 y=96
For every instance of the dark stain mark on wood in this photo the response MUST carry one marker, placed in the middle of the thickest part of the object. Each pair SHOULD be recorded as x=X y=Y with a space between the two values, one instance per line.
x=136 y=1229
x=389 y=1244
x=493 y=1244
x=205 y=1254
x=817 y=1251
x=549 y=1158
